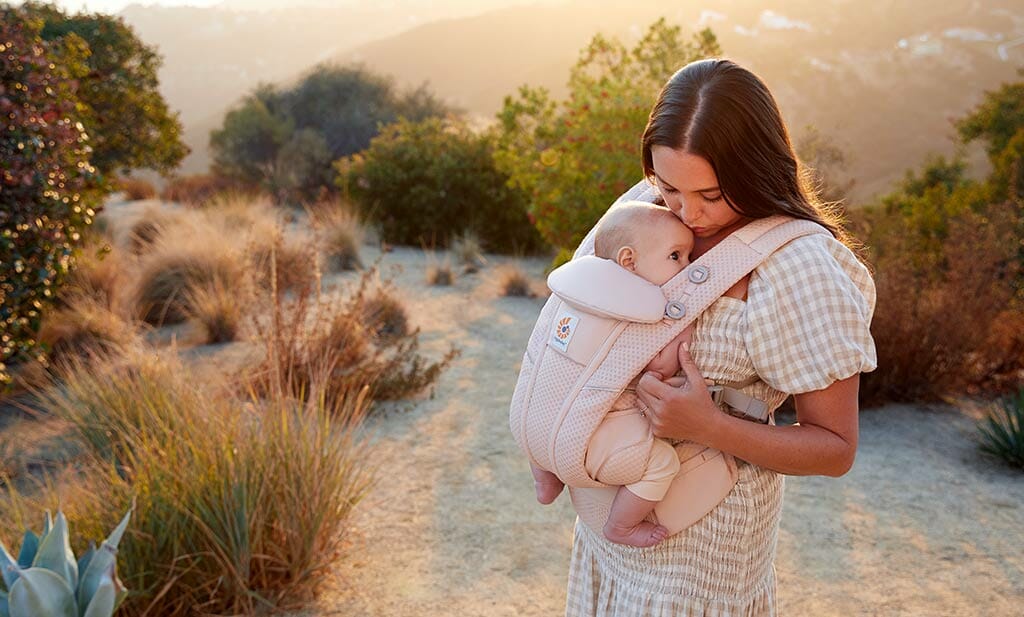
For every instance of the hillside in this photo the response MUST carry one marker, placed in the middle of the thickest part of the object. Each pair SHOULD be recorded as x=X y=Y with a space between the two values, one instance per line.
x=881 y=78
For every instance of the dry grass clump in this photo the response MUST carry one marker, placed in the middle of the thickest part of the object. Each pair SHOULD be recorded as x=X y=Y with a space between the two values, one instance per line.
x=217 y=309
x=240 y=506
x=135 y=189
x=238 y=212
x=313 y=335
x=85 y=327
x=97 y=273
x=383 y=315
x=200 y=258
x=440 y=274
x=934 y=314
x=341 y=234
x=468 y=251
x=150 y=227
x=197 y=189
x=298 y=263
x=513 y=281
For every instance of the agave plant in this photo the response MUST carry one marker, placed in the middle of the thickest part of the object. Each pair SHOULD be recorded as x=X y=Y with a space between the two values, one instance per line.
x=46 y=581
x=1002 y=431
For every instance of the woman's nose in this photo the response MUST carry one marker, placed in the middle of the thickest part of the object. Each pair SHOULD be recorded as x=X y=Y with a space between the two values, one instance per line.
x=688 y=211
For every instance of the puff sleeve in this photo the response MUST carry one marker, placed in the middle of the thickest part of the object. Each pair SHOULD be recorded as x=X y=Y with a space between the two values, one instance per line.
x=809 y=308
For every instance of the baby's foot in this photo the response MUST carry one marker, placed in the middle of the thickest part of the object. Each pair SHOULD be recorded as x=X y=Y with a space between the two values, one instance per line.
x=643 y=534
x=548 y=488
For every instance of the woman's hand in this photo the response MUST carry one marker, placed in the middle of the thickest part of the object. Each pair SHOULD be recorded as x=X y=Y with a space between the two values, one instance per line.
x=679 y=412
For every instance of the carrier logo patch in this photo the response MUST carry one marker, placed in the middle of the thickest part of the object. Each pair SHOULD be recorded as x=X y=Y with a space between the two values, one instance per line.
x=565 y=328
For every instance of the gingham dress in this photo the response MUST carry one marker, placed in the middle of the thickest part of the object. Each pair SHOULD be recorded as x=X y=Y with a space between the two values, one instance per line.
x=805 y=324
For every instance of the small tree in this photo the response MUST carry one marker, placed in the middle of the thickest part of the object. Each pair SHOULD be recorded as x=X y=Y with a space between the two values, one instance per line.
x=572 y=158
x=129 y=123
x=431 y=180
x=332 y=112
x=48 y=189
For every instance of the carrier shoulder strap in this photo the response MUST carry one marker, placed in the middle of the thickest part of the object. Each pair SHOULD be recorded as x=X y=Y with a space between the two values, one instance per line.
x=705 y=280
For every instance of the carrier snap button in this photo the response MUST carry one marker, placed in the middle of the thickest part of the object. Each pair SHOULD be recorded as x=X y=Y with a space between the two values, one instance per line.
x=699 y=274
x=675 y=309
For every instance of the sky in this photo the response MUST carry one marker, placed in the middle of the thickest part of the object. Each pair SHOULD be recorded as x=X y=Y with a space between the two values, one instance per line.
x=113 y=6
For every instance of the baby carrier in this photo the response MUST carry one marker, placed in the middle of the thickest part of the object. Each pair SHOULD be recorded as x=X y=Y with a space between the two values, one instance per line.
x=599 y=328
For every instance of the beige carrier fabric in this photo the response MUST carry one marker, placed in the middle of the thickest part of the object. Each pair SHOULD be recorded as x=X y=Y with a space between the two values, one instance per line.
x=559 y=403
x=804 y=325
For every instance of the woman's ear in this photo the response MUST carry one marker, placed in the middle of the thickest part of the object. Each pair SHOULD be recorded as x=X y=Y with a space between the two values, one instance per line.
x=626 y=258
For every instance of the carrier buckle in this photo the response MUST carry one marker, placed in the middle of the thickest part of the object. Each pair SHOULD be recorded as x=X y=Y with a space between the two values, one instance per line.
x=717 y=395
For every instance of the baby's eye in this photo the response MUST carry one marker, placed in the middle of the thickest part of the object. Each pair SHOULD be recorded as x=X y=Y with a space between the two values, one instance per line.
x=674 y=256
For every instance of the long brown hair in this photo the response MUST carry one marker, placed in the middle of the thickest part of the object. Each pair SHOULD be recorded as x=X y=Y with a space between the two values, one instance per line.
x=724 y=113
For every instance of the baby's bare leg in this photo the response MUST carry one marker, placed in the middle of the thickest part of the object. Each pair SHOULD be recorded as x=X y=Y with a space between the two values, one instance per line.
x=626 y=524
x=547 y=484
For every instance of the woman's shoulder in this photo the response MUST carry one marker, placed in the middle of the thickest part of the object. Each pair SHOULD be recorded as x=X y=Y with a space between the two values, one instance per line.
x=815 y=259
x=809 y=309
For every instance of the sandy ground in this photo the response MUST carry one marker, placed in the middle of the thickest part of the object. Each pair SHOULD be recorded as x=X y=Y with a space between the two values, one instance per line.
x=922 y=525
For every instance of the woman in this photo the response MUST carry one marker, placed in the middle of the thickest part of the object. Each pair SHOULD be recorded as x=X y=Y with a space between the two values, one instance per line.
x=718 y=152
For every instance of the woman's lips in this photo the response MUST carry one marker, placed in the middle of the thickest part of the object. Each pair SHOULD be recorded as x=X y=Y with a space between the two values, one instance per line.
x=698 y=230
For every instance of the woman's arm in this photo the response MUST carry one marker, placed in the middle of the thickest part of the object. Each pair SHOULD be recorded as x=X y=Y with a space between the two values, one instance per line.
x=823 y=442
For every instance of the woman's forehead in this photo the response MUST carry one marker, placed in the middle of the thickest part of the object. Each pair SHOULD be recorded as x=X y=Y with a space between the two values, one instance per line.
x=683 y=170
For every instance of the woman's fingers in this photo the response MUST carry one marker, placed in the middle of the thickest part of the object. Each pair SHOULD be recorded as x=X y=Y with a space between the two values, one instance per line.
x=688 y=366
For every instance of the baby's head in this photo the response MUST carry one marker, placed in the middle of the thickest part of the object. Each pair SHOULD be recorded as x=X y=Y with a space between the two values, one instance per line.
x=644 y=238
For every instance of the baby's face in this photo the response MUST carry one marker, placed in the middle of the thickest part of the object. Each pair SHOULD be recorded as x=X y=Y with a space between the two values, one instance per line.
x=663 y=250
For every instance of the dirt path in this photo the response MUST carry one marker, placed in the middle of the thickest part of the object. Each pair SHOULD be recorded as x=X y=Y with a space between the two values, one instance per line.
x=922 y=525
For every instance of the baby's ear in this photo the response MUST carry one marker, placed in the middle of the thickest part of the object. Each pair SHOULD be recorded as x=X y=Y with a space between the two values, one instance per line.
x=626 y=258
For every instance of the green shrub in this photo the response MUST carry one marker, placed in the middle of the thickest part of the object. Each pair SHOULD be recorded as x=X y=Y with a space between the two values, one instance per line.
x=574 y=157
x=424 y=182
x=1002 y=432
x=925 y=348
x=50 y=189
x=284 y=139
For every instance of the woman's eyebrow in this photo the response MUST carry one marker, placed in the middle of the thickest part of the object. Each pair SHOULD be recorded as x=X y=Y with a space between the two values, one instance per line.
x=707 y=190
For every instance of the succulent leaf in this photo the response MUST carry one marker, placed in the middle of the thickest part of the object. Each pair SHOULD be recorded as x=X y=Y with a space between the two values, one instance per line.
x=55 y=554
x=9 y=567
x=103 y=564
x=29 y=546
x=83 y=561
x=40 y=592
x=5 y=609
x=103 y=601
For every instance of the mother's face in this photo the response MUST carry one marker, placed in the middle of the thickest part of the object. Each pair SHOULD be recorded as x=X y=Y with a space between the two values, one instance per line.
x=690 y=189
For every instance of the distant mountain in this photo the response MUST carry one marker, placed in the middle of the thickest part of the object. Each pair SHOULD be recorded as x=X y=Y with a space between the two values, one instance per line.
x=213 y=56
x=882 y=78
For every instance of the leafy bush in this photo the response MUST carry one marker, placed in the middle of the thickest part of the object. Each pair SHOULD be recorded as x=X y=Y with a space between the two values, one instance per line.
x=573 y=158
x=49 y=188
x=284 y=140
x=1002 y=432
x=129 y=123
x=934 y=311
x=427 y=181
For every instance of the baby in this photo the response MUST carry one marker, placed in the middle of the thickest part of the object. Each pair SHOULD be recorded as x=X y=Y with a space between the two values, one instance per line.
x=654 y=244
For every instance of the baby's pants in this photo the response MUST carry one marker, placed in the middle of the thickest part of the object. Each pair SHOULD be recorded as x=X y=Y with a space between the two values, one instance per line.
x=624 y=452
